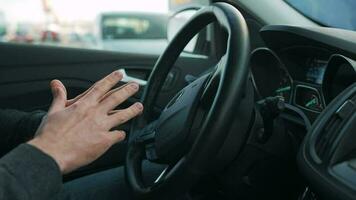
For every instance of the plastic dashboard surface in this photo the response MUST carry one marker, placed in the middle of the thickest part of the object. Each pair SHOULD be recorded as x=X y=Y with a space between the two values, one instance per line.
x=316 y=73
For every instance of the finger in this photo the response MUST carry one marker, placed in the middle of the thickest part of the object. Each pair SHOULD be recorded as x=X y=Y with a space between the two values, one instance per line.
x=116 y=136
x=125 y=115
x=114 y=90
x=103 y=86
x=60 y=84
x=59 y=96
x=71 y=101
x=119 y=96
x=111 y=112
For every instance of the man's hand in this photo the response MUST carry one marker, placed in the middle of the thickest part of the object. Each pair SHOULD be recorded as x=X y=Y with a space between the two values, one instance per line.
x=76 y=132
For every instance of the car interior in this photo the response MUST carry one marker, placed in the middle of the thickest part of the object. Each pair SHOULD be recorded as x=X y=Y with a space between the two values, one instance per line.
x=260 y=106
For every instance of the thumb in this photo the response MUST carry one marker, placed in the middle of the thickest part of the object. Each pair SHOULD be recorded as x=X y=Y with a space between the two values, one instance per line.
x=59 y=96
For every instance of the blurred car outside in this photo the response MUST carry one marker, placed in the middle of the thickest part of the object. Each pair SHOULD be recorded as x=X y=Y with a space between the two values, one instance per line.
x=132 y=32
x=78 y=39
x=3 y=30
x=50 y=34
x=23 y=33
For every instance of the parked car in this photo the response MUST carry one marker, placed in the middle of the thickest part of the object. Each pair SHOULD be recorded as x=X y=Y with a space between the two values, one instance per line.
x=49 y=36
x=23 y=33
x=123 y=31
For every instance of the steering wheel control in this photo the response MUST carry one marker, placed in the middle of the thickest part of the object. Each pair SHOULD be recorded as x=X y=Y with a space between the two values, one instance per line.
x=270 y=108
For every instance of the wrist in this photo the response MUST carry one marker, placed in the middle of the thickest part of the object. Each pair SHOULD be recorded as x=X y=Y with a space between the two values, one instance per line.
x=53 y=153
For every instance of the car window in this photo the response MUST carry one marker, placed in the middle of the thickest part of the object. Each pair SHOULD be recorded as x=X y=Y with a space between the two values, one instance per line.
x=117 y=25
x=333 y=13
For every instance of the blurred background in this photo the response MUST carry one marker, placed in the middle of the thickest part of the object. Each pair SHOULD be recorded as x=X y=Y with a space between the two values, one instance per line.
x=95 y=24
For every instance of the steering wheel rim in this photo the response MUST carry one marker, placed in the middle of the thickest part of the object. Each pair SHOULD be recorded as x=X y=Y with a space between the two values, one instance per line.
x=231 y=73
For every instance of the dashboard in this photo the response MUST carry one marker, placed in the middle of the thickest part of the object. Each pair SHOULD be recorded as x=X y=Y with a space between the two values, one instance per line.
x=305 y=84
x=306 y=73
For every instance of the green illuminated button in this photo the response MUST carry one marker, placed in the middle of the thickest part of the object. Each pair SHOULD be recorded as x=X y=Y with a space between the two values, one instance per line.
x=312 y=102
x=283 y=89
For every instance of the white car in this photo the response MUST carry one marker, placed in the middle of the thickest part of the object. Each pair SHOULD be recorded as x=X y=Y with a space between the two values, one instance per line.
x=132 y=32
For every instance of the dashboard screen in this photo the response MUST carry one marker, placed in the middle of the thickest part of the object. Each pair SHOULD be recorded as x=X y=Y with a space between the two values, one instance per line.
x=308 y=98
x=315 y=71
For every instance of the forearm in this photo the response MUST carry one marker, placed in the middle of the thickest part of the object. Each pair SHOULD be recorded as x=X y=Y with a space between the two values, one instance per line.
x=28 y=173
x=17 y=127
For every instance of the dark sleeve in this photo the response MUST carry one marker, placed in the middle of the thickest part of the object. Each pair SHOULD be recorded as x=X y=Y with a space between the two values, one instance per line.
x=17 y=127
x=28 y=173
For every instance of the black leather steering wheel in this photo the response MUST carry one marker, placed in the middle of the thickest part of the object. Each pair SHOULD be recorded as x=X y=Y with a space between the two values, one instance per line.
x=195 y=124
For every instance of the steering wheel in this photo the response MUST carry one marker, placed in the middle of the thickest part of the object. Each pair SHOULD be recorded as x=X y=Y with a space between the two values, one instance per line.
x=195 y=125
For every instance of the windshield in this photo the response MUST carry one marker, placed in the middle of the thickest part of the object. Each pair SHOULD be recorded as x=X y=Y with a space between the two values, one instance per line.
x=332 y=13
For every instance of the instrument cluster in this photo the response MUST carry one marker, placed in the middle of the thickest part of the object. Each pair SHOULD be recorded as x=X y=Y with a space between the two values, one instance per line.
x=308 y=78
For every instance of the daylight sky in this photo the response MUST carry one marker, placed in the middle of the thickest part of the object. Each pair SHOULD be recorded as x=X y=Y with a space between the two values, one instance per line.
x=32 y=10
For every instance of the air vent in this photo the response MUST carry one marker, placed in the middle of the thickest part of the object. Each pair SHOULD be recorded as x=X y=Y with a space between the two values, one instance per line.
x=330 y=132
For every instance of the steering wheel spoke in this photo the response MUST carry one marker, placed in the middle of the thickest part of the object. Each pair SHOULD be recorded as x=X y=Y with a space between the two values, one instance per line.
x=167 y=171
x=212 y=84
x=146 y=138
x=147 y=134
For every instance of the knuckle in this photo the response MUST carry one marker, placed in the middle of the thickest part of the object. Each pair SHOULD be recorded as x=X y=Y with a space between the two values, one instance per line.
x=109 y=79
x=90 y=112
x=117 y=97
x=97 y=88
x=120 y=118
x=128 y=114
x=107 y=140
x=129 y=90
x=100 y=125
x=112 y=78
